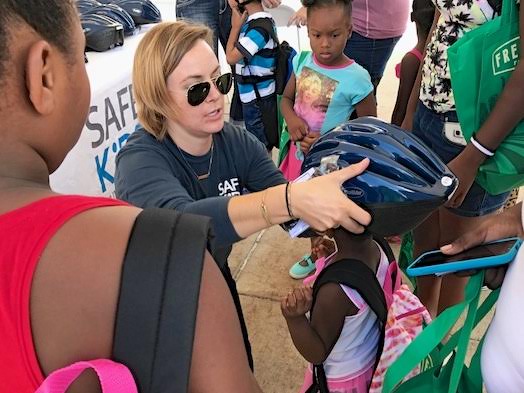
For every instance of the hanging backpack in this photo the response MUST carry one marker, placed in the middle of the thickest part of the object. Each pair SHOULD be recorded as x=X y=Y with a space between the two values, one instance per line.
x=283 y=54
x=400 y=314
x=445 y=368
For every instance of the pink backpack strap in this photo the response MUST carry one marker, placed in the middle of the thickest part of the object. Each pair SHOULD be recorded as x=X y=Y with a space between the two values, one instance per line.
x=389 y=286
x=114 y=377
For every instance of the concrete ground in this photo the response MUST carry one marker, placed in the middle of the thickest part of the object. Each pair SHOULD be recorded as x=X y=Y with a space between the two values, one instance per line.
x=260 y=265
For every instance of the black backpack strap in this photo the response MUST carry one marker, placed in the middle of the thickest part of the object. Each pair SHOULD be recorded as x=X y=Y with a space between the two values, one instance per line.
x=320 y=384
x=264 y=26
x=357 y=275
x=385 y=247
x=158 y=300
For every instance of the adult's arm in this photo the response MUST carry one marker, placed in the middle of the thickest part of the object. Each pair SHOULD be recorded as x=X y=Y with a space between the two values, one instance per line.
x=271 y=3
x=507 y=224
x=256 y=167
x=509 y=109
x=507 y=113
x=319 y=201
x=408 y=73
x=299 y=18
x=145 y=178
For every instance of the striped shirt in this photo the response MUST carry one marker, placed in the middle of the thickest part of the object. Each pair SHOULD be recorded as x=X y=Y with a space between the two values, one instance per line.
x=250 y=43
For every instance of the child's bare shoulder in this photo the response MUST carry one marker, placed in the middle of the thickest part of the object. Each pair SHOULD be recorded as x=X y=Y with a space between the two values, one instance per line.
x=331 y=296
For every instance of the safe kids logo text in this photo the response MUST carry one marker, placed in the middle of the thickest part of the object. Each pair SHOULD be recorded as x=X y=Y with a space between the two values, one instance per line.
x=111 y=123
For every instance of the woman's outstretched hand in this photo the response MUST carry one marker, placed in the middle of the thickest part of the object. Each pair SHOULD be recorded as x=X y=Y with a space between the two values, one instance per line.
x=321 y=203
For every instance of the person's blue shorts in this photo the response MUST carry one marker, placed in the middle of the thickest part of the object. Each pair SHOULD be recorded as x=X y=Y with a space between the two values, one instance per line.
x=371 y=54
x=428 y=125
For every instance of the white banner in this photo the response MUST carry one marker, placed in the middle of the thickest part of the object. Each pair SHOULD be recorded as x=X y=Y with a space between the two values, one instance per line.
x=89 y=168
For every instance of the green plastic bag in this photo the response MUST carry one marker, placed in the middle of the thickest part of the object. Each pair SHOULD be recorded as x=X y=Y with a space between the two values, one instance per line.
x=445 y=371
x=283 y=145
x=405 y=257
x=480 y=63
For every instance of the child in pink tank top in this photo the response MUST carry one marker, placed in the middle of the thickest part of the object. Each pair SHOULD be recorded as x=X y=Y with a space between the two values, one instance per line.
x=407 y=69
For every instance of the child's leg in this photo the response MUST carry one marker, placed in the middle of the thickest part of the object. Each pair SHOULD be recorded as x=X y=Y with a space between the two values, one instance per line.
x=426 y=237
x=253 y=121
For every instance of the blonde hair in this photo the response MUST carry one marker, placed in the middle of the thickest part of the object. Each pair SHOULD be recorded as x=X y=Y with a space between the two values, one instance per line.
x=157 y=55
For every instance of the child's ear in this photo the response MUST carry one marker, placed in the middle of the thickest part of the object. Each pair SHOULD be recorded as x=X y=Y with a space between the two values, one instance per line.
x=40 y=77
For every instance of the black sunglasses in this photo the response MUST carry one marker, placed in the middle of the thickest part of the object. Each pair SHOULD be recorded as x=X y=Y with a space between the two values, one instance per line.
x=197 y=93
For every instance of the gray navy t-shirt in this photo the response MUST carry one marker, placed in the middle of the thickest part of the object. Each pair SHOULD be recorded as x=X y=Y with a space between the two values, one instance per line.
x=153 y=173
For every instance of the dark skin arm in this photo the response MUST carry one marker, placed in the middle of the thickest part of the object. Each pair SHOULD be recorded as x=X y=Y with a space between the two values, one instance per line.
x=78 y=300
x=367 y=107
x=315 y=340
x=407 y=123
x=233 y=55
x=506 y=224
x=506 y=114
x=408 y=73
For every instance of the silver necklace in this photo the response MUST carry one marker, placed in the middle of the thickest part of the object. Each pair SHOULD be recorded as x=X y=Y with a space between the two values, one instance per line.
x=204 y=175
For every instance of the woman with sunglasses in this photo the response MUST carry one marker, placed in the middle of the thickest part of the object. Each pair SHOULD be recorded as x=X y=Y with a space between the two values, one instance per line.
x=185 y=157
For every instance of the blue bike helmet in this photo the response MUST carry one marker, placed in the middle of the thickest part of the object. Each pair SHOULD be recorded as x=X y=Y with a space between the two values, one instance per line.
x=84 y=6
x=405 y=180
x=116 y=13
x=142 y=11
x=102 y=33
